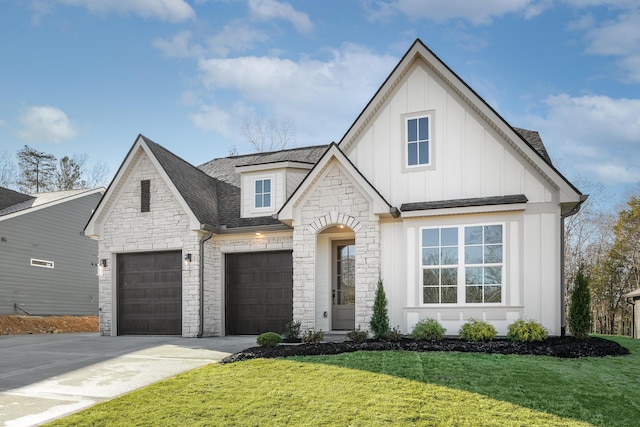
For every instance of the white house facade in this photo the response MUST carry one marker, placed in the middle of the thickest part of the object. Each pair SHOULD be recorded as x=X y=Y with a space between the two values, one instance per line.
x=430 y=190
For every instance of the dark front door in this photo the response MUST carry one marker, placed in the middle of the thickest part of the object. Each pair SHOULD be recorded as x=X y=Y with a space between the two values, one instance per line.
x=259 y=292
x=343 y=292
x=150 y=293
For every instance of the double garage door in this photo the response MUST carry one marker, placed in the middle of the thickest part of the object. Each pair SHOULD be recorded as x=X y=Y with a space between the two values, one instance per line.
x=259 y=293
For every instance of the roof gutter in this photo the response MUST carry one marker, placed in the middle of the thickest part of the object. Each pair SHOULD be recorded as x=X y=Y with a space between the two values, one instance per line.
x=209 y=235
x=563 y=314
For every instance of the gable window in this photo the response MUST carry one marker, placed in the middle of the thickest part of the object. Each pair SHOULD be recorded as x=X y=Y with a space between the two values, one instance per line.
x=462 y=265
x=145 y=195
x=263 y=193
x=418 y=140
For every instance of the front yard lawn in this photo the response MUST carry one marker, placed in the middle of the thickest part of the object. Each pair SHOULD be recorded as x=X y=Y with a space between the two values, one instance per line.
x=388 y=388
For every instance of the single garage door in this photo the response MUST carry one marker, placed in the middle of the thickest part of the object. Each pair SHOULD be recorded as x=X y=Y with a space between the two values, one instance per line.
x=150 y=293
x=259 y=292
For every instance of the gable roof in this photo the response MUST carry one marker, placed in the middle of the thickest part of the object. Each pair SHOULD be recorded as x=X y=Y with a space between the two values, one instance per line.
x=527 y=143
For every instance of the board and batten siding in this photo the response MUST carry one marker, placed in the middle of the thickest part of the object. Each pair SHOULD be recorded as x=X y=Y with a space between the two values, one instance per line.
x=51 y=234
x=469 y=158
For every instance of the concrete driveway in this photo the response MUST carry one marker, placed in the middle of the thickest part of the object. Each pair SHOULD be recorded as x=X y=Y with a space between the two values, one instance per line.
x=44 y=377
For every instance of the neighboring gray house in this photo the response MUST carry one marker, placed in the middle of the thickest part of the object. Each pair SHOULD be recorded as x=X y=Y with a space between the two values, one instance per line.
x=46 y=266
x=430 y=189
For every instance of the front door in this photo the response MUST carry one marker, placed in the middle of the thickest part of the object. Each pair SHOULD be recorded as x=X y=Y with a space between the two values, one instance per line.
x=343 y=292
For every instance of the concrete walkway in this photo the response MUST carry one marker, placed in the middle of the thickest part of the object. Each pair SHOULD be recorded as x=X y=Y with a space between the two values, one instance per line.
x=44 y=377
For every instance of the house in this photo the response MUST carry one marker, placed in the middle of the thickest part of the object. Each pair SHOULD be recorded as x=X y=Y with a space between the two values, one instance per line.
x=632 y=298
x=46 y=266
x=430 y=189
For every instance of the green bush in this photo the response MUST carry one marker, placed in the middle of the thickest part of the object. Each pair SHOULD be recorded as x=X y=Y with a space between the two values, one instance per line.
x=394 y=334
x=312 y=337
x=358 y=335
x=380 y=319
x=292 y=330
x=580 y=309
x=530 y=331
x=477 y=330
x=428 y=330
x=269 y=339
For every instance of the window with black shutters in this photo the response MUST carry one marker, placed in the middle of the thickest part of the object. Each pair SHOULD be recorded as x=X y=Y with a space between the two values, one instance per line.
x=145 y=195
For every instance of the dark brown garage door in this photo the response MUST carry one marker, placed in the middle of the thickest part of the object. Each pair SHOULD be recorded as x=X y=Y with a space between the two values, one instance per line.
x=259 y=290
x=150 y=293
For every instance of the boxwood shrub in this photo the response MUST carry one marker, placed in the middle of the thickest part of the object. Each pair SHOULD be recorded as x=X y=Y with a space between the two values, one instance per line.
x=530 y=331
x=428 y=330
x=269 y=339
x=477 y=330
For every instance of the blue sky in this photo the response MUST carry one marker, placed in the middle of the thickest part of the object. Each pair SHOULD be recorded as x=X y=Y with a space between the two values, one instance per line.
x=87 y=76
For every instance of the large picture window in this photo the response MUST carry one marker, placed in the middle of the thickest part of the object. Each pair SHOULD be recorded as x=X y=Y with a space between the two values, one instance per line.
x=462 y=265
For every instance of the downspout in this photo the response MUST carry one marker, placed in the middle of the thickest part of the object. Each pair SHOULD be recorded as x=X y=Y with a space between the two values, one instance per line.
x=201 y=280
x=563 y=314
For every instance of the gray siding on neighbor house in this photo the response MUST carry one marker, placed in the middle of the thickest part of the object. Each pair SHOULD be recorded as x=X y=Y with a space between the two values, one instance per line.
x=51 y=234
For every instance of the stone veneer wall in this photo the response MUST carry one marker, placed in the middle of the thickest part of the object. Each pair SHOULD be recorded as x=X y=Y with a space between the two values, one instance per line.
x=335 y=200
x=165 y=227
x=214 y=269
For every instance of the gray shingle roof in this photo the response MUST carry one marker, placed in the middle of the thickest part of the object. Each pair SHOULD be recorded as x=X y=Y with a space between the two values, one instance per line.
x=533 y=138
x=463 y=203
x=9 y=198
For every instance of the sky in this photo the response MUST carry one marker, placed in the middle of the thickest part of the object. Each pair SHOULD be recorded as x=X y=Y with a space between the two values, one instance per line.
x=87 y=76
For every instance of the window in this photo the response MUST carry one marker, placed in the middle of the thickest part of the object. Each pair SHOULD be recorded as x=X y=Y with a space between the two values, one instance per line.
x=418 y=140
x=42 y=263
x=263 y=193
x=462 y=265
x=145 y=195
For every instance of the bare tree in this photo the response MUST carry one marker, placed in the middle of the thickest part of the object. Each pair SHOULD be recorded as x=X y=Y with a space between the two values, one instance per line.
x=98 y=176
x=69 y=173
x=8 y=171
x=268 y=134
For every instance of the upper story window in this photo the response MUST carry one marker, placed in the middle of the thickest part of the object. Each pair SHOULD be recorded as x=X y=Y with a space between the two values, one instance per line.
x=462 y=265
x=418 y=140
x=145 y=195
x=262 y=193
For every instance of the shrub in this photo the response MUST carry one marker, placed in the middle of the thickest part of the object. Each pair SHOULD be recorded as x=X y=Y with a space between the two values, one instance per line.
x=477 y=330
x=428 y=330
x=530 y=331
x=380 y=319
x=292 y=330
x=312 y=337
x=358 y=335
x=394 y=334
x=269 y=339
x=580 y=310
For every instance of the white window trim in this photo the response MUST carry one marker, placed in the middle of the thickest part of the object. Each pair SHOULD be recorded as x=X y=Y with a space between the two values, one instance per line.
x=405 y=149
x=271 y=193
x=461 y=287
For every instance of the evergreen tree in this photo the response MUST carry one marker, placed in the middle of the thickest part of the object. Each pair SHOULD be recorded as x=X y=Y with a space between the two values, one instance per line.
x=380 y=319
x=69 y=174
x=580 y=310
x=37 y=170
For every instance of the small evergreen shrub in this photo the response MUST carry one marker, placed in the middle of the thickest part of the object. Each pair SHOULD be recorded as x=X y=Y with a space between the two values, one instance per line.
x=477 y=330
x=580 y=309
x=292 y=330
x=312 y=337
x=530 y=331
x=269 y=339
x=380 y=319
x=358 y=335
x=428 y=330
x=394 y=334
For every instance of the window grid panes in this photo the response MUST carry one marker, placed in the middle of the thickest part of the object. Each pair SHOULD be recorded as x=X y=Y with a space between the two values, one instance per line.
x=263 y=193
x=467 y=258
x=418 y=139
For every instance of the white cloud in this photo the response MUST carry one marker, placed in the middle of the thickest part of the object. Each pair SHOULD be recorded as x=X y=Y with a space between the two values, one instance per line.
x=212 y=118
x=164 y=10
x=321 y=97
x=45 y=123
x=266 y=10
x=178 y=46
x=476 y=12
x=595 y=135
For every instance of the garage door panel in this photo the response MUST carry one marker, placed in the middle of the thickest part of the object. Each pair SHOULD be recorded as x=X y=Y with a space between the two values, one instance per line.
x=150 y=293
x=259 y=292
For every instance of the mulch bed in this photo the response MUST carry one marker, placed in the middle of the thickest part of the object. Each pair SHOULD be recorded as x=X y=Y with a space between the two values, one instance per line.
x=563 y=347
x=16 y=324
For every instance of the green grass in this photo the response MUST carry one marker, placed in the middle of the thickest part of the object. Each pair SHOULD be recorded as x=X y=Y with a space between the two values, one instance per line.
x=387 y=388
